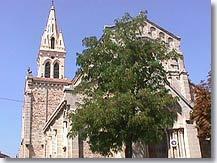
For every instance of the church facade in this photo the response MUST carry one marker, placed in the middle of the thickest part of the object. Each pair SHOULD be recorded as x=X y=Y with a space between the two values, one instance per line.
x=49 y=98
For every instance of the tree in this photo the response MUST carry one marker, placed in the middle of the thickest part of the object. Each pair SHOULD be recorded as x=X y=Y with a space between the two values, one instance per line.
x=202 y=109
x=123 y=84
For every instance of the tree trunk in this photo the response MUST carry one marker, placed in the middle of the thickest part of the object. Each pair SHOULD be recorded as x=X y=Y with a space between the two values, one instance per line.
x=128 y=150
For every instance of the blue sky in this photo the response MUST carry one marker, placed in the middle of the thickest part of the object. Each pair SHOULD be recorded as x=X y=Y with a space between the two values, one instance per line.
x=22 y=23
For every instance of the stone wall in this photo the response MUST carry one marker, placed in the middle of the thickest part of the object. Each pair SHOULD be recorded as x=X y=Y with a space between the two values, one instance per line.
x=44 y=97
x=58 y=145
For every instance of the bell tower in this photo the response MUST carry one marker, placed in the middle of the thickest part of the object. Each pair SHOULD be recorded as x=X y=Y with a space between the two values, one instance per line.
x=43 y=94
x=51 y=57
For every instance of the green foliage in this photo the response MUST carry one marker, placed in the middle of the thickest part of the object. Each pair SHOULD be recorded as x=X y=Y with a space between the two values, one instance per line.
x=123 y=81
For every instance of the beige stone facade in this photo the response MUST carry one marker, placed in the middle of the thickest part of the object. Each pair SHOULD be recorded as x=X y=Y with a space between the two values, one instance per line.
x=45 y=124
x=42 y=96
x=58 y=144
x=52 y=49
x=49 y=98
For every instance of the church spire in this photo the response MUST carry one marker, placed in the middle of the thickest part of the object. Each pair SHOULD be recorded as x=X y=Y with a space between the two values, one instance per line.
x=52 y=38
x=51 y=58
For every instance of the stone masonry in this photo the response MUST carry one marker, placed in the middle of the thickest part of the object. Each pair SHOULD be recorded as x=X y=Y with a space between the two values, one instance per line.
x=47 y=100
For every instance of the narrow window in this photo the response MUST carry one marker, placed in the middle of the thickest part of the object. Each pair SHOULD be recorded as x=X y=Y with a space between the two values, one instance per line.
x=175 y=64
x=52 y=43
x=60 y=43
x=47 y=39
x=52 y=27
x=55 y=143
x=170 y=41
x=56 y=70
x=51 y=146
x=65 y=133
x=47 y=70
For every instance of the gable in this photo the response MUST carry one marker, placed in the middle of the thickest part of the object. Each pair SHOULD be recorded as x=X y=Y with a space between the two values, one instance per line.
x=52 y=118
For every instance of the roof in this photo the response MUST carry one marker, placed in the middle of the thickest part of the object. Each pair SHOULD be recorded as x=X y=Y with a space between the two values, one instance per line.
x=186 y=101
x=54 y=114
x=53 y=80
x=169 y=33
x=76 y=78
x=157 y=26
x=3 y=155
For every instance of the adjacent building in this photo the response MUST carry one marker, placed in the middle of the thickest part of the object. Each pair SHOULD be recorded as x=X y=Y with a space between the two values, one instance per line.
x=2 y=155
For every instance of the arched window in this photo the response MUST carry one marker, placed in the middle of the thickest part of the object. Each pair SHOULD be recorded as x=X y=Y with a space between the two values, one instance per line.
x=161 y=35
x=52 y=43
x=170 y=41
x=47 y=70
x=56 y=70
x=151 y=31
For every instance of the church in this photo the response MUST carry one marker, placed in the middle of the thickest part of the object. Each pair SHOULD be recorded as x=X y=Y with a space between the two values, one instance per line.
x=49 y=98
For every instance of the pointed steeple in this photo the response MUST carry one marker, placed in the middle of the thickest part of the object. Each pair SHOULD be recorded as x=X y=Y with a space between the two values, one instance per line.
x=52 y=38
x=51 y=57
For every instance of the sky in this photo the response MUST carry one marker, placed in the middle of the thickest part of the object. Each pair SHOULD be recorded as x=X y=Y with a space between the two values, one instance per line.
x=22 y=23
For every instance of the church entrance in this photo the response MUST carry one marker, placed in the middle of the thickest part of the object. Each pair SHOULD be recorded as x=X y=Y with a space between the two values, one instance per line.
x=159 y=150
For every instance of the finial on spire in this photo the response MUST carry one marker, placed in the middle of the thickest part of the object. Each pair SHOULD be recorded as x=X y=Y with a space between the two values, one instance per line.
x=52 y=5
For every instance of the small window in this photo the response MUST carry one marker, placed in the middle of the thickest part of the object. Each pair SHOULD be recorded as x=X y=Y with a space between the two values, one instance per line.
x=52 y=43
x=161 y=35
x=47 y=70
x=48 y=39
x=174 y=64
x=60 y=42
x=170 y=41
x=152 y=29
x=174 y=67
x=56 y=70
x=52 y=27
x=65 y=124
x=55 y=132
